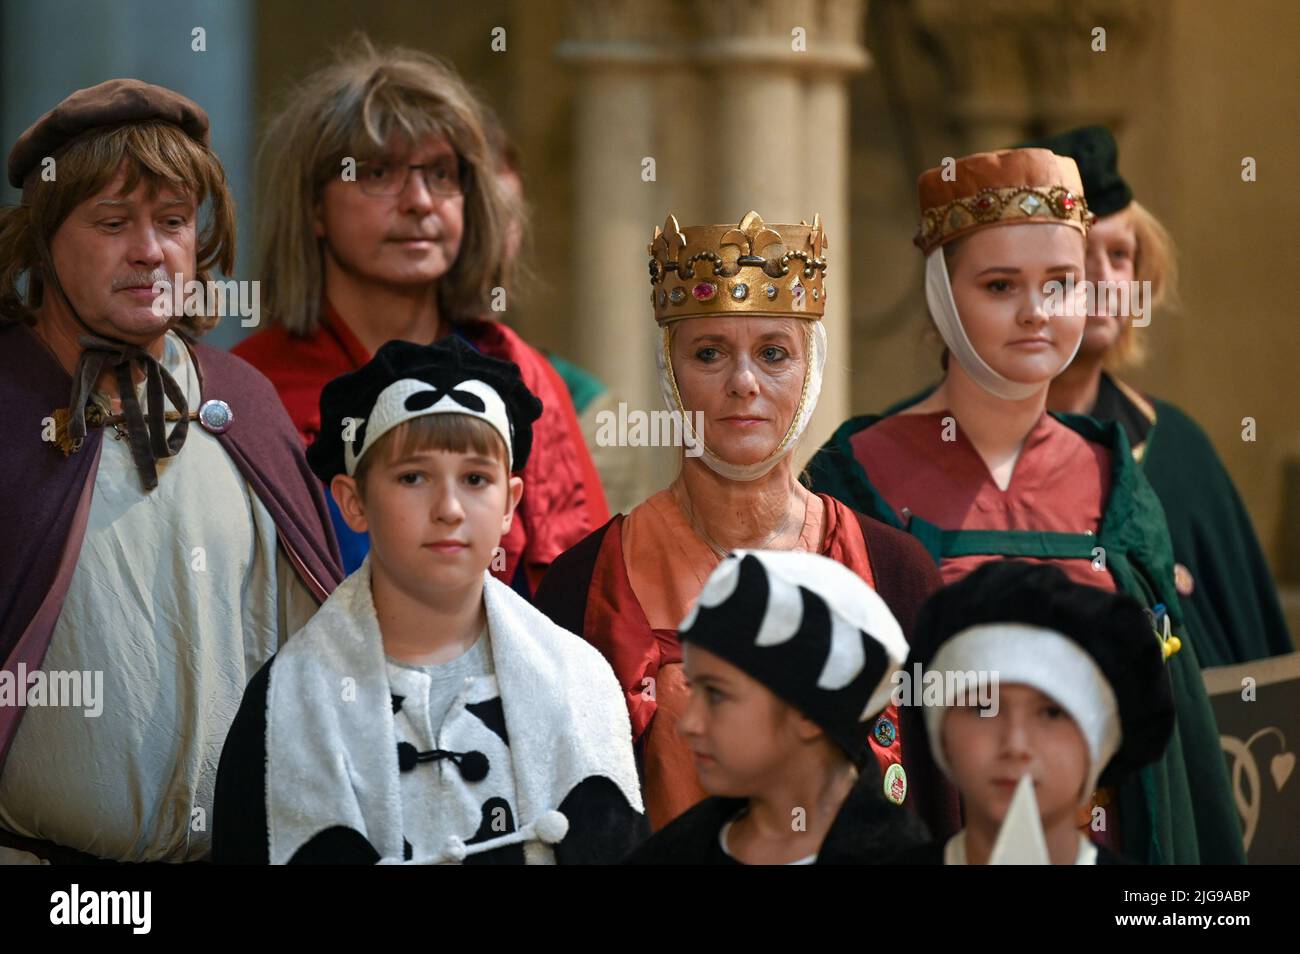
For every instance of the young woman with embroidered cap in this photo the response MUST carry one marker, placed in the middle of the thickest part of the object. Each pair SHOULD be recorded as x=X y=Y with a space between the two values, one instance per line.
x=428 y=713
x=979 y=471
x=1223 y=580
x=1082 y=694
x=790 y=658
x=740 y=343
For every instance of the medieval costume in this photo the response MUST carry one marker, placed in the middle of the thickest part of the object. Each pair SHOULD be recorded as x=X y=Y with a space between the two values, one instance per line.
x=517 y=751
x=1076 y=499
x=1224 y=585
x=626 y=586
x=174 y=564
x=563 y=500
x=817 y=637
x=1093 y=653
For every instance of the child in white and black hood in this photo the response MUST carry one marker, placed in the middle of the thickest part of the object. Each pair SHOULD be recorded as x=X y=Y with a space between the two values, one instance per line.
x=428 y=713
x=1082 y=697
x=789 y=657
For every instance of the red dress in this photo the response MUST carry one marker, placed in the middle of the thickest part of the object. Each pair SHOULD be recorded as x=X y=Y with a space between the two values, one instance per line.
x=563 y=500
x=1060 y=484
x=590 y=591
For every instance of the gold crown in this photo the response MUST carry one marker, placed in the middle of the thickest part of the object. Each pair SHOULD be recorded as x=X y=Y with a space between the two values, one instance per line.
x=748 y=269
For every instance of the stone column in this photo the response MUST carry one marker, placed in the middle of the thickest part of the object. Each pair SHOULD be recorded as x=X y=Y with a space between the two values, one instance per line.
x=779 y=76
x=744 y=104
x=613 y=48
x=1021 y=67
x=826 y=164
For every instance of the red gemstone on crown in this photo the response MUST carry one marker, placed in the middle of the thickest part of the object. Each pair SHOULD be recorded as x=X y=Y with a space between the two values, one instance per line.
x=704 y=291
x=1067 y=202
x=984 y=203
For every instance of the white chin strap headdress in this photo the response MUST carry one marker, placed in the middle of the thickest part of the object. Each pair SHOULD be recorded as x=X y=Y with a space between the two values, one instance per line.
x=744 y=271
x=991 y=189
x=815 y=347
x=943 y=309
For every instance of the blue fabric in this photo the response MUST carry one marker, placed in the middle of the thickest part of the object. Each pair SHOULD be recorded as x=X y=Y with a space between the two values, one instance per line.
x=353 y=546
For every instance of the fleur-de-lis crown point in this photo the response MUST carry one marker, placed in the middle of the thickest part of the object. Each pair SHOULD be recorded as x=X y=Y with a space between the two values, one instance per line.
x=669 y=238
x=751 y=234
x=817 y=239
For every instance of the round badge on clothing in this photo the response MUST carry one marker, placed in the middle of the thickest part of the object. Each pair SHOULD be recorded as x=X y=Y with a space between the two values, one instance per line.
x=884 y=732
x=895 y=783
x=1183 y=581
x=215 y=416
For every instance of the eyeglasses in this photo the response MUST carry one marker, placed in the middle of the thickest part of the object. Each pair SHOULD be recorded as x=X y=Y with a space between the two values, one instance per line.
x=443 y=176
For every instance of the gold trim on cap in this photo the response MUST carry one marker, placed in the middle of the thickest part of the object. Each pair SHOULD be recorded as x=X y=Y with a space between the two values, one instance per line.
x=992 y=206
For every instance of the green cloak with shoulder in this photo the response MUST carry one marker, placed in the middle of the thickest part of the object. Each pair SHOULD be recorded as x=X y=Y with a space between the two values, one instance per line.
x=1178 y=810
x=1226 y=589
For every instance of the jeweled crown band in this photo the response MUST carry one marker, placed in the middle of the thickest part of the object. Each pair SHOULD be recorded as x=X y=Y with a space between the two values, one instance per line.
x=1001 y=206
x=1006 y=187
x=750 y=269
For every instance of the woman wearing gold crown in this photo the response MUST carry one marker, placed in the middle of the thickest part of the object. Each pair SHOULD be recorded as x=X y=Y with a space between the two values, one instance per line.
x=978 y=470
x=742 y=349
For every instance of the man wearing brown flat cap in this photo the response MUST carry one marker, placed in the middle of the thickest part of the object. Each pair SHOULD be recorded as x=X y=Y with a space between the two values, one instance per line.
x=160 y=531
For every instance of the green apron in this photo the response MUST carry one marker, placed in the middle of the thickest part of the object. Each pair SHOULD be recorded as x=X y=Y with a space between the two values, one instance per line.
x=1178 y=810
x=1234 y=607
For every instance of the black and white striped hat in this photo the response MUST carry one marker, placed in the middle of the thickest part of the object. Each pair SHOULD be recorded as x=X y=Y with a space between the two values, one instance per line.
x=809 y=629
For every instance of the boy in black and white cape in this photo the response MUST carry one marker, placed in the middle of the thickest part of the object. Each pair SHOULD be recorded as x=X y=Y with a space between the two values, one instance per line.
x=427 y=713
x=1082 y=697
x=789 y=657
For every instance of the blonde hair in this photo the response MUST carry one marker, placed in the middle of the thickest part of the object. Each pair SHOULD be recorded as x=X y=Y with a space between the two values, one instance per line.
x=350 y=109
x=1156 y=261
x=157 y=153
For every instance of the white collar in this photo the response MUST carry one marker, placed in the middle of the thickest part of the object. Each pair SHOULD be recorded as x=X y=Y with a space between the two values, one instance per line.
x=954 y=852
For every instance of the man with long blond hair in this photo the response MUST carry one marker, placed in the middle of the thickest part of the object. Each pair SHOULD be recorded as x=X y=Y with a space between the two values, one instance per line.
x=1221 y=574
x=161 y=531
x=382 y=219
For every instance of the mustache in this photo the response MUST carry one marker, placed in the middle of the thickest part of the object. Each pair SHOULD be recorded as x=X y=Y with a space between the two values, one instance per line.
x=139 y=279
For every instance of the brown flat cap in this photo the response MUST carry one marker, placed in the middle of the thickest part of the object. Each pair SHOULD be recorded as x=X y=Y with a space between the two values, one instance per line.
x=1009 y=187
x=109 y=104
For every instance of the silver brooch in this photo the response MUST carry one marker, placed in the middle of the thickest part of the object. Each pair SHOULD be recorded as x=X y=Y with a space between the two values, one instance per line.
x=215 y=416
